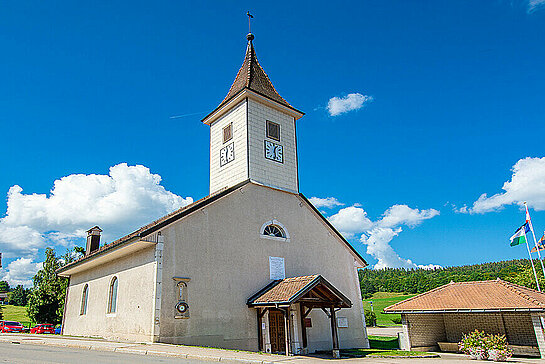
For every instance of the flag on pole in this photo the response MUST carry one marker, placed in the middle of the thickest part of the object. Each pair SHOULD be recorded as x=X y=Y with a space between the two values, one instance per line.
x=540 y=244
x=520 y=235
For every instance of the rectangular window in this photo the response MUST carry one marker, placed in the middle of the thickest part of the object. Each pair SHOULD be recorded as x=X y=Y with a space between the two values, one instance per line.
x=273 y=130
x=228 y=133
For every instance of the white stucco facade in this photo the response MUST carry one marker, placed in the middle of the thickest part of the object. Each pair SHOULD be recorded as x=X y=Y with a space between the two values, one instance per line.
x=220 y=250
x=133 y=319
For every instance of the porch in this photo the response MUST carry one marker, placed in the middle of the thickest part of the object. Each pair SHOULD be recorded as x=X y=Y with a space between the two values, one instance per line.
x=283 y=308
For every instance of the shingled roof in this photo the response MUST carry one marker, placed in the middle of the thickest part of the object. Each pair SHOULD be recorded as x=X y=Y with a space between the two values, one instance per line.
x=493 y=295
x=291 y=290
x=252 y=76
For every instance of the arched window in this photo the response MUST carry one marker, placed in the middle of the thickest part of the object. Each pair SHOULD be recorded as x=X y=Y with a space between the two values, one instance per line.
x=274 y=230
x=84 y=298
x=112 y=296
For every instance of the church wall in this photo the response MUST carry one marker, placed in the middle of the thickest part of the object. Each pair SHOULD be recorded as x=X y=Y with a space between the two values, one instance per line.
x=237 y=170
x=268 y=172
x=133 y=319
x=221 y=250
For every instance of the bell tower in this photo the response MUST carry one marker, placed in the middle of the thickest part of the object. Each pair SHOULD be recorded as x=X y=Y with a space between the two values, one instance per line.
x=252 y=132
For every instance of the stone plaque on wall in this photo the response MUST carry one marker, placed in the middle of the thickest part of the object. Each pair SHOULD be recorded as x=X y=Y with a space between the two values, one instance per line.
x=276 y=268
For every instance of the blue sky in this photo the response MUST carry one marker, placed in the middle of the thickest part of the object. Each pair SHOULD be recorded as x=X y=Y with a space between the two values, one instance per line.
x=452 y=94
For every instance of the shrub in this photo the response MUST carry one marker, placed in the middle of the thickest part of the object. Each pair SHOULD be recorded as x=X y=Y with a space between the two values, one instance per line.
x=370 y=318
x=396 y=320
x=479 y=345
x=498 y=349
x=474 y=344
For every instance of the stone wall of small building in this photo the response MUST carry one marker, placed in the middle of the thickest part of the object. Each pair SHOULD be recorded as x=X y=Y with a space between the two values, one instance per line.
x=519 y=329
x=425 y=330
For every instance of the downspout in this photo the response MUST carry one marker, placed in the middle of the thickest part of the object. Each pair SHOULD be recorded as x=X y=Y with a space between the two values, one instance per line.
x=64 y=308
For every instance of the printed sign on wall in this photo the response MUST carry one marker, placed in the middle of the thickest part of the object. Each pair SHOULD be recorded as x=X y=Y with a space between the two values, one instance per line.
x=342 y=322
x=277 y=268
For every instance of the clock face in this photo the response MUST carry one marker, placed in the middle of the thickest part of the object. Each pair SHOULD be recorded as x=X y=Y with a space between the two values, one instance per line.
x=274 y=152
x=227 y=154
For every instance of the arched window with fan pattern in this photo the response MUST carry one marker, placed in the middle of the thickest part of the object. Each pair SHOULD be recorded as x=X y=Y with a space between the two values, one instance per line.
x=274 y=230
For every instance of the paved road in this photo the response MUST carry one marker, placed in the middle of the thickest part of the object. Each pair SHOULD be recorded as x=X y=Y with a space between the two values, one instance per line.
x=41 y=354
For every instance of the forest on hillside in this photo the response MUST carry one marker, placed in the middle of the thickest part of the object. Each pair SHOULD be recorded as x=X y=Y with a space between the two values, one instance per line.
x=420 y=280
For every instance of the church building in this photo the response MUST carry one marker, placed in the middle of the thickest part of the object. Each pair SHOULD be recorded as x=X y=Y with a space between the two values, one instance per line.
x=252 y=266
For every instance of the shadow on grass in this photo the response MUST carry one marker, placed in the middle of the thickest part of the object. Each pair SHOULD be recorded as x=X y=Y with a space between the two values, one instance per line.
x=383 y=342
x=384 y=353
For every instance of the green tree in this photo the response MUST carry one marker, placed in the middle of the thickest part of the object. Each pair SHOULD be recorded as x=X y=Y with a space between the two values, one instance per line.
x=46 y=298
x=526 y=278
x=4 y=286
x=18 y=296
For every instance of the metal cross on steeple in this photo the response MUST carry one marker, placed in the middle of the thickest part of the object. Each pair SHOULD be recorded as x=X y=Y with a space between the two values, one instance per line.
x=250 y=16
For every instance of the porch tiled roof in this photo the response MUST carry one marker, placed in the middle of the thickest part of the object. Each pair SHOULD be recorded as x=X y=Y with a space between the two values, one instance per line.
x=285 y=289
x=297 y=289
x=493 y=295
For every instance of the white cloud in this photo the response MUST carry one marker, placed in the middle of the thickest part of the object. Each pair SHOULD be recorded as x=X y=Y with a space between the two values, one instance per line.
x=404 y=215
x=21 y=271
x=341 y=105
x=534 y=5
x=351 y=220
x=527 y=184
x=327 y=202
x=377 y=235
x=125 y=199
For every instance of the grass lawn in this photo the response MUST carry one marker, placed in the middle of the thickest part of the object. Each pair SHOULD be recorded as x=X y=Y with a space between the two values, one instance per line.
x=383 y=342
x=16 y=313
x=386 y=353
x=380 y=301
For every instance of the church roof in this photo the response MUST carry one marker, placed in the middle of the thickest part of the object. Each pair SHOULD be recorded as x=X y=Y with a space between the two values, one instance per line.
x=251 y=76
x=480 y=296
x=184 y=211
x=314 y=290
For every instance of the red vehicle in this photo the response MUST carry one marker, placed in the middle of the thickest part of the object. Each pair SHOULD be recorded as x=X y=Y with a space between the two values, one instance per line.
x=43 y=329
x=11 y=326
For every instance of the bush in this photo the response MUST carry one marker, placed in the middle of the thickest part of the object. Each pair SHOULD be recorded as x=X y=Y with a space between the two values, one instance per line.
x=370 y=318
x=396 y=320
x=474 y=345
x=479 y=345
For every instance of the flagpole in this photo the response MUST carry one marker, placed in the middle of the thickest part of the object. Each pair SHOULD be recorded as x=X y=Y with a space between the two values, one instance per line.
x=531 y=261
x=535 y=240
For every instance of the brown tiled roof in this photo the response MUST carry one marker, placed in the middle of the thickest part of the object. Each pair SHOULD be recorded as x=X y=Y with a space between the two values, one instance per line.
x=493 y=295
x=252 y=76
x=284 y=290
x=290 y=290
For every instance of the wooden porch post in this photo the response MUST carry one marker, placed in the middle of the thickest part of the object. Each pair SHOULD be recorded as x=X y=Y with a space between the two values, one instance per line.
x=286 y=328
x=259 y=331
x=303 y=327
x=334 y=335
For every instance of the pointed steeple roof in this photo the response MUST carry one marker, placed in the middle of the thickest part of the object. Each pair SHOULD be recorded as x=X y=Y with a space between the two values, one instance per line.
x=252 y=76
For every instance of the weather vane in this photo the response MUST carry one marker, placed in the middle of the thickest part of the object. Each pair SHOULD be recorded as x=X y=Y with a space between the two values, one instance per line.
x=250 y=16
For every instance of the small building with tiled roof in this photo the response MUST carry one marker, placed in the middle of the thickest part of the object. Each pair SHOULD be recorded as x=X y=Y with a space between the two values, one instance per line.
x=252 y=266
x=439 y=318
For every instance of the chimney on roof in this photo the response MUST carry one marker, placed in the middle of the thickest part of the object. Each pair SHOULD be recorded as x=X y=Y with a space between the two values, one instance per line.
x=93 y=240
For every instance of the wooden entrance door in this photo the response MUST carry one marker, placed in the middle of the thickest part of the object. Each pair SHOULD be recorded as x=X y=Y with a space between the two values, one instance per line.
x=277 y=332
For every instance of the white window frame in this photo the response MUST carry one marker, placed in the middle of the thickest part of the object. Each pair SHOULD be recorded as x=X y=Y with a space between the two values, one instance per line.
x=84 y=300
x=109 y=310
x=279 y=224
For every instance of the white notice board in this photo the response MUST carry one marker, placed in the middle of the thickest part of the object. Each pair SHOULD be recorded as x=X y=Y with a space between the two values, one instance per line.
x=277 y=268
x=342 y=322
